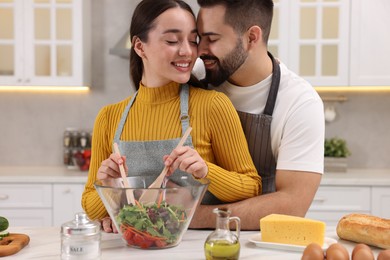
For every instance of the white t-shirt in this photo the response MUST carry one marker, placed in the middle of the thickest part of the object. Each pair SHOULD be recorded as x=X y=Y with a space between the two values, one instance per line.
x=298 y=126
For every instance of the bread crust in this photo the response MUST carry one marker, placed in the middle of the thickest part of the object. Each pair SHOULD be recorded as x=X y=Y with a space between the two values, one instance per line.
x=367 y=229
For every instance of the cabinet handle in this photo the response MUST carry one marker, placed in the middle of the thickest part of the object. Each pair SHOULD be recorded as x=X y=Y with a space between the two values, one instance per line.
x=19 y=80
x=67 y=191
x=319 y=199
x=4 y=197
x=27 y=80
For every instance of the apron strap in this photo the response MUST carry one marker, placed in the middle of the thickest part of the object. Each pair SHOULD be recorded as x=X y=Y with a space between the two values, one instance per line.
x=273 y=92
x=123 y=119
x=184 y=117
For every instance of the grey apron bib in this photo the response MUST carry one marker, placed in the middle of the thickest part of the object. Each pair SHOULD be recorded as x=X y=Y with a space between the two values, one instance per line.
x=257 y=129
x=144 y=158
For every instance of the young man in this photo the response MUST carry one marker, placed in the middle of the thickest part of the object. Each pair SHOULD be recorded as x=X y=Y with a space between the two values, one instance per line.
x=281 y=114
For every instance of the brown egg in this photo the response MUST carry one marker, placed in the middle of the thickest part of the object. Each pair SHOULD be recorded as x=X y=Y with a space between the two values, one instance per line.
x=337 y=251
x=313 y=251
x=384 y=255
x=362 y=252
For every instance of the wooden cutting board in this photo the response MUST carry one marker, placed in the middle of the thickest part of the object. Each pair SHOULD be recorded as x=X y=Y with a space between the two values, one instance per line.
x=13 y=243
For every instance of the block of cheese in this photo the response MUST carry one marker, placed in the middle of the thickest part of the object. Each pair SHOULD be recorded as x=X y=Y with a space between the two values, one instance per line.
x=284 y=229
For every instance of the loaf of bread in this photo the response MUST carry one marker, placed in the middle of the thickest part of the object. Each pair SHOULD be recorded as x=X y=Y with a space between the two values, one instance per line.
x=367 y=229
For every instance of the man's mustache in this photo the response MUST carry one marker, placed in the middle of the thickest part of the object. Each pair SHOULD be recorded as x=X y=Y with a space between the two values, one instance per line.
x=208 y=57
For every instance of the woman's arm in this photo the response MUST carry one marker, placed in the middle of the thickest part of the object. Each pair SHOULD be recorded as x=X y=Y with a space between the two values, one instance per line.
x=101 y=150
x=233 y=177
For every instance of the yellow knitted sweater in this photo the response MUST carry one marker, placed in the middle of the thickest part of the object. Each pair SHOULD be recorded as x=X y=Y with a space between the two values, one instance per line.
x=155 y=115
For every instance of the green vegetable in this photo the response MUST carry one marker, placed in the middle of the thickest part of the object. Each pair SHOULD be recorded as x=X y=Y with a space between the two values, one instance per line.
x=4 y=234
x=4 y=224
x=159 y=224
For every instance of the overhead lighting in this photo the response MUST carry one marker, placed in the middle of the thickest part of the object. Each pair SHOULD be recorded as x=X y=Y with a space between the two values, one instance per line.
x=46 y=89
x=353 y=89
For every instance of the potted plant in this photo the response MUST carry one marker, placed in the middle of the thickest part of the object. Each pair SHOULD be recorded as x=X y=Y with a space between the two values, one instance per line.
x=336 y=153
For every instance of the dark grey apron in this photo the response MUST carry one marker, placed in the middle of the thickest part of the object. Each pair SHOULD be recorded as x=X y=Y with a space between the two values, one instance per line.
x=257 y=129
x=144 y=158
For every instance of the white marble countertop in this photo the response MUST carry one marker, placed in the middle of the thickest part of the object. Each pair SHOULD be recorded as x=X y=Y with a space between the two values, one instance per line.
x=45 y=244
x=36 y=174
x=60 y=174
x=357 y=177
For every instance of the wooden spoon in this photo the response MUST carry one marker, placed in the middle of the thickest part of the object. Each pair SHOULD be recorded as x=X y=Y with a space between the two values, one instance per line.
x=149 y=196
x=129 y=193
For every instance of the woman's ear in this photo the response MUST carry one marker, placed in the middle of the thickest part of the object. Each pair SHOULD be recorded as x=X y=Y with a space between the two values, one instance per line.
x=254 y=35
x=138 y=46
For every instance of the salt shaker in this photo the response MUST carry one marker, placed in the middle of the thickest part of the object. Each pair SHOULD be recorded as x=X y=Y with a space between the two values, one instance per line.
x=80 y=239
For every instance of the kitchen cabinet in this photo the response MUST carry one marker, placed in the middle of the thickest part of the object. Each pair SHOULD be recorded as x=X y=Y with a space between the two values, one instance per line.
x=365 y=191
x=370 y=41
x=333 y=202
x=333 y=43
x=66 y=202
x=381 y=202
x=311 y=37
x=25 y=204
x=44 y=42
x=40 y=204
x=46 y=196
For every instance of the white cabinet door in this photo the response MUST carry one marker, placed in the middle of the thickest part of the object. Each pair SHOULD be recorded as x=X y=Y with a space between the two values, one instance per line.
x=45 y=43
x=332 y=202
x=26 y=204
x=319 y=41
x=16 y=196
x=381 y=202
x=28 y=217
x=312 y=38
x=11 y=42
x=66 y=202
x=370 y=41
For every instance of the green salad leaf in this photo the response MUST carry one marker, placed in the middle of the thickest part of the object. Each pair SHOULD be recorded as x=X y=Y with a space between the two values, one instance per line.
x=159 y=220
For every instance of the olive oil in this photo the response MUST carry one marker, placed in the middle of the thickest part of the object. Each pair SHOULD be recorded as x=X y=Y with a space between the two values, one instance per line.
x=222 y=244
x=222 y=249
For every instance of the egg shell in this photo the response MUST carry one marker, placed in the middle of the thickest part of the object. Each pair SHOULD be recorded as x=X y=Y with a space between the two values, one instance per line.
x=362 y=252
x=384 y=255
x=337 y=251
x=313 y=251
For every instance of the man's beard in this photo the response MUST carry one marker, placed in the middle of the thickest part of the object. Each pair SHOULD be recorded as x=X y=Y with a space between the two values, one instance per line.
x=227 y=66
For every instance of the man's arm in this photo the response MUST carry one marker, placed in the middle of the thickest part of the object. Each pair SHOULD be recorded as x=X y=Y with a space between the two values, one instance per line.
x=294 y=193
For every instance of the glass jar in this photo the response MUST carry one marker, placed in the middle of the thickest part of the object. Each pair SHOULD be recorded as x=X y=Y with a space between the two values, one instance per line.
x=222 y=243
x=80 y=239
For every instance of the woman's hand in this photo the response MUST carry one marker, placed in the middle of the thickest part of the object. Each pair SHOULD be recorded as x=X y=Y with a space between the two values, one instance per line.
x=188 y=160
x=109 y=169
x=108 y=226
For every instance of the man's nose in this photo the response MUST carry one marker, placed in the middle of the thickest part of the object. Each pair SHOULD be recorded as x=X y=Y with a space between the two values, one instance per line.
x=202 y=48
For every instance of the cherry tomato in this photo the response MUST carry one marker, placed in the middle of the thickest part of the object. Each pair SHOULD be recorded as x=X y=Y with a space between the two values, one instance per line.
x=127 y=235
x=160 y=243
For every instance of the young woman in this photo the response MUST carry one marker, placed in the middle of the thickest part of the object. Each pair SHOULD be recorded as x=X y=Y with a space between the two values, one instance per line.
x=148 y=125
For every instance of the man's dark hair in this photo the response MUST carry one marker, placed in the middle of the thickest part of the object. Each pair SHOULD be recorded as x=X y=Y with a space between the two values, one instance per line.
x=242 y=14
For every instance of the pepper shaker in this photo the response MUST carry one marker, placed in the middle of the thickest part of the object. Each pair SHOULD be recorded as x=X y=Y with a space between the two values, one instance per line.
x=80 y=239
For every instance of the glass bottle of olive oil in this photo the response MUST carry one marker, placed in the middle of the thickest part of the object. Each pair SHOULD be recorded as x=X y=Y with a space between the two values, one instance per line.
x=222 y=243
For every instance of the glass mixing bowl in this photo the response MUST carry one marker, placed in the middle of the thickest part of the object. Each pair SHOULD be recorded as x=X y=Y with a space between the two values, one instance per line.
x=159 y=222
